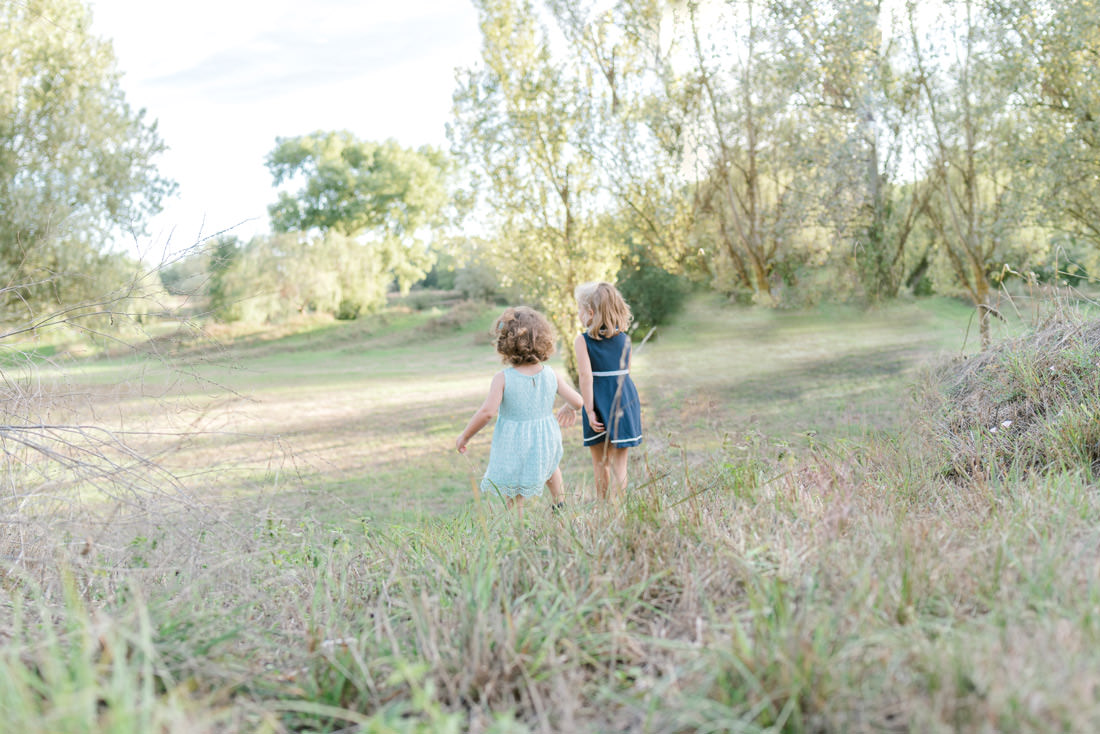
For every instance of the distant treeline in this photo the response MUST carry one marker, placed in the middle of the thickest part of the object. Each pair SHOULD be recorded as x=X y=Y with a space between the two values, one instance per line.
x=779 y=152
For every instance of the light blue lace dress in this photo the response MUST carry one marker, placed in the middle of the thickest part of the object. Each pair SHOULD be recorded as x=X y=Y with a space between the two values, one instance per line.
x=526 y=440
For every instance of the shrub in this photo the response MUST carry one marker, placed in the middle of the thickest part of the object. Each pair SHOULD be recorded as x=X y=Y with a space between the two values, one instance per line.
x=654 y=294
x=348 y=310
x=478 y=281
x=1032 y=403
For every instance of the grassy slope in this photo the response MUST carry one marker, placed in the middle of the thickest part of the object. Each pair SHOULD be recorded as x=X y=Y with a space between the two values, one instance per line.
x=761 y=578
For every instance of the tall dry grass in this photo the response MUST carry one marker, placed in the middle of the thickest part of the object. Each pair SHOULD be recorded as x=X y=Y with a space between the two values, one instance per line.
x=855 y=585
x=840 y=591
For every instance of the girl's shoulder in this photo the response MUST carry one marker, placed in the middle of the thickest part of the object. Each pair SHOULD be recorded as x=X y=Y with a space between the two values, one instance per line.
x=617 y=337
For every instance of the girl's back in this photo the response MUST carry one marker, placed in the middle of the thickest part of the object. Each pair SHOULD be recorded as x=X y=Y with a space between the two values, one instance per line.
x=527 y=439
x=528 y=397
x=608 y=355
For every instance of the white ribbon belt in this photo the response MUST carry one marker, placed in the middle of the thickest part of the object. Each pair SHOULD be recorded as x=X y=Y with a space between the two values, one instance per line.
x=611 y=374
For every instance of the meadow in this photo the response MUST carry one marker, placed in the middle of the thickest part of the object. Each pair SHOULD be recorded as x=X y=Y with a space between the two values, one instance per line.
x=307 y=552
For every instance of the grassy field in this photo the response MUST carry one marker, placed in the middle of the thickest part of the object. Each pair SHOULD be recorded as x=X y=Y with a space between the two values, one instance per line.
x=361 y=417
x=309 y=554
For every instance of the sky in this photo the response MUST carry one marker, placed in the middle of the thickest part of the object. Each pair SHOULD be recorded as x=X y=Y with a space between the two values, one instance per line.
x=224 y=78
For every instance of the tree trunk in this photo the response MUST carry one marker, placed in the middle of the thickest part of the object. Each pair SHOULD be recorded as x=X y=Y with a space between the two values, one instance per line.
x=981 y=302
x=762 y=284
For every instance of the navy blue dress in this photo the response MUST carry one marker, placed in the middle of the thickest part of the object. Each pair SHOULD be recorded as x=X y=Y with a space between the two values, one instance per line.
x=615 y=397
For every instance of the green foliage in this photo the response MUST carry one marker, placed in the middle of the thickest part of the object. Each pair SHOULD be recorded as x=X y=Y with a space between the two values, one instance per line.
x=276 y=277
x=525 y=131
x=1052 y=44
x=76 y=162
x=348 y=310
x=475 y=268
x=654 y=294
x=757 y=142
x=188 y=274
x=480 y=281
x=863 y=108
x=978 y=208
x=442 y=274
x=224 y=300
x=354 y=187
x=355 y=226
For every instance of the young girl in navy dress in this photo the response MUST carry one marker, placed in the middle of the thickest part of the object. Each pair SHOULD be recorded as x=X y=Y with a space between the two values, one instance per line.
x=526 y=446
x=612 y=412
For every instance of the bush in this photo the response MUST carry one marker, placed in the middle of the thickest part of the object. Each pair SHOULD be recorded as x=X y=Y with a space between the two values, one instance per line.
x=187 y=276
x=654 y=294
x=348 y=310
x=478 y=281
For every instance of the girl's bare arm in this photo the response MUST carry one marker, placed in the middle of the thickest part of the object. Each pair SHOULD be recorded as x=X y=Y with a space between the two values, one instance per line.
x=573 y=402
x=569 y=395
x=484 y=414
x=584 y=378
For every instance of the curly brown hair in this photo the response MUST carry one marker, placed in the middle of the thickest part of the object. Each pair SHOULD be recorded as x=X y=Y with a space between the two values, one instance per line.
x=524 y=336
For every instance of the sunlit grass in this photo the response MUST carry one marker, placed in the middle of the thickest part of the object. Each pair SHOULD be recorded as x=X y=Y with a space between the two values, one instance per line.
x=791 y=557
x=369 y=407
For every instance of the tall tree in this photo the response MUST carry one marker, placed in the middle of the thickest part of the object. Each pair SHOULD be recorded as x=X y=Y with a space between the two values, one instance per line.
x=971 y=131
x=1058 y=42
x=862 y=101
x=523 y=128
x=639 y=137
x=742 y=134
x=378 y=198
x=76 y=161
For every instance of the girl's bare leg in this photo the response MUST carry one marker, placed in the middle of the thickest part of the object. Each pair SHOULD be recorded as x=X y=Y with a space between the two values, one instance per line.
x=609 y=464
x=516 y=502
x=554 y=483
x=601 y=469
x=616 y=459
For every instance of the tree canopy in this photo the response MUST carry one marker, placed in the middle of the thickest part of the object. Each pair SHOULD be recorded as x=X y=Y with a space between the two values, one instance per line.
x=785 y=151
x=363 y=217
x=354 y=187
x=76 y=161
x=525 y=127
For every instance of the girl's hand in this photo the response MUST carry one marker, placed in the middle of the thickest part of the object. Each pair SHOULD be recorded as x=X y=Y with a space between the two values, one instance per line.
x=460 y=444
x=567 y=417
x=593 y=421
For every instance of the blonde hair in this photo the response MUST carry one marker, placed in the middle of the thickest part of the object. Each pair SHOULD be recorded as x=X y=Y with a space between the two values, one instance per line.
x=610 y=313
x=524 y=336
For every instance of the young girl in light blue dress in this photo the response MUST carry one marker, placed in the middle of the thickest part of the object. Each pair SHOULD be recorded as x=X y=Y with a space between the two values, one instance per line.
x=526 y=448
